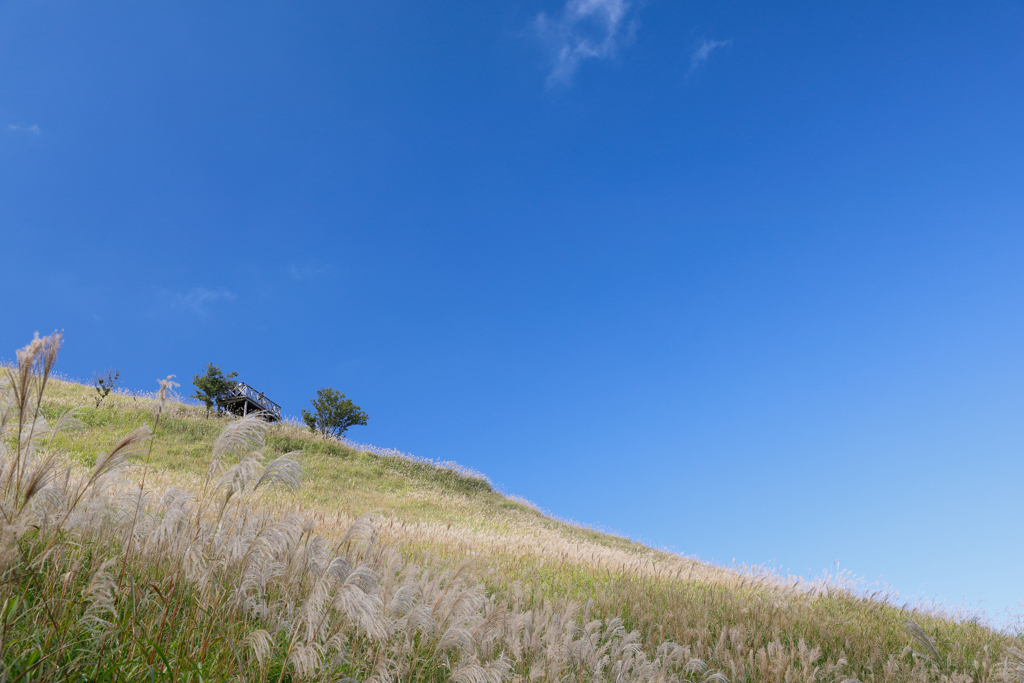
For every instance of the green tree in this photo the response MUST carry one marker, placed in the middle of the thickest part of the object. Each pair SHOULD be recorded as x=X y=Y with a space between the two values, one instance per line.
x=212 y=385
x=334 y=413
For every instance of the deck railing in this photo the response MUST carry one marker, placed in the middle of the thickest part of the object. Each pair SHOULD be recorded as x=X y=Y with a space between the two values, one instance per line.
x=243 y=391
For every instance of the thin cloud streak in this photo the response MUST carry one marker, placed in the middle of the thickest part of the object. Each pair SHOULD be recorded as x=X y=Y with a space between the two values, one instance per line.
x=301 y=273
x=199 y=299
x=703 y=51
x=587 y=29
x=18 y=128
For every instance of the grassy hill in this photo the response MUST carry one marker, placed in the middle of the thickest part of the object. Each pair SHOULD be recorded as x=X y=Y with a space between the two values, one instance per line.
x=144 y=541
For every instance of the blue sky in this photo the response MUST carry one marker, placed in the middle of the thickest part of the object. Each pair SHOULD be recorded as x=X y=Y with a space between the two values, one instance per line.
x=738 y=279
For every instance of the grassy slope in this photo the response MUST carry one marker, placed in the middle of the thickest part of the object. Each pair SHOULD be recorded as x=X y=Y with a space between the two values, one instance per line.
x=339 y=478
x=435 y=512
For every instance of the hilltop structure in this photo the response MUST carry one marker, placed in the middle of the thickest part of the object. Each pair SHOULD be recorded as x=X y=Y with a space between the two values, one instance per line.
x=243 y=400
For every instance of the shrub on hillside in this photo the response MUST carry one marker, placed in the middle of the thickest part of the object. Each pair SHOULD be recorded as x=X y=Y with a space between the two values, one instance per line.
x=105 y=382
x=212 y=385
x=334 y=413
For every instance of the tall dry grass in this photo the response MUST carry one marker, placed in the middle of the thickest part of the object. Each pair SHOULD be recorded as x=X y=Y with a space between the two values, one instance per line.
x=107 y=574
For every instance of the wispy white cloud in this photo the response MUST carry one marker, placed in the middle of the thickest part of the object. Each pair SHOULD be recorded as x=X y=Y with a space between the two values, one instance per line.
x=704 y=50
x=586 y=29
x=301 y=273
x=18 y=128
x=199 y=299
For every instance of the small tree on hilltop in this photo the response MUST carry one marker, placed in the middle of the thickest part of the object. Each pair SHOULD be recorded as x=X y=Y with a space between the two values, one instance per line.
x=334 y=413
x=212 y=385
x=105 y=382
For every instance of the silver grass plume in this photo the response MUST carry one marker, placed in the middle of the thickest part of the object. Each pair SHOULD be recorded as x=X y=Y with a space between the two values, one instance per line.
x=697 y=665
x=496 y=671
x=357 y=602
x=100 y=593
x=362 y=529
x=67 y=422
x=37 y=478
x=305 y=658
x=34 y=362
x=26 y=381
x=281 y=471
x=923 y=640
x=239 y=478
x=259 y=643
x=120 y=454
x=243 y=436
x=1013 y=666
x=167 y=387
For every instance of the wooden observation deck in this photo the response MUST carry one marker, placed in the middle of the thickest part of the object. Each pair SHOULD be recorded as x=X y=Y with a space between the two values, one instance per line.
x=243 y=400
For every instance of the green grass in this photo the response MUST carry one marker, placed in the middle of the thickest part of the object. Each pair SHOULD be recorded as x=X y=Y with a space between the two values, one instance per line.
x=747 y=627
x=337 y=475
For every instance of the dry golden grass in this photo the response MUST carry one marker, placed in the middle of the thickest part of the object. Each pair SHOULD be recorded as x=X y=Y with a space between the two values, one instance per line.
x=172 y=558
